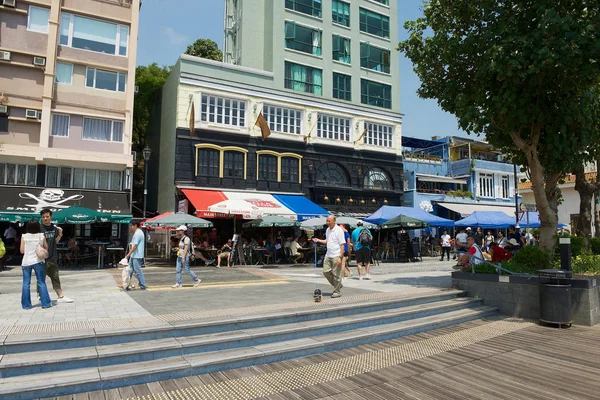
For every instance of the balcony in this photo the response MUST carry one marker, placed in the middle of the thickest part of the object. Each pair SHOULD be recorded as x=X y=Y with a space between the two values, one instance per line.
x=465 y=166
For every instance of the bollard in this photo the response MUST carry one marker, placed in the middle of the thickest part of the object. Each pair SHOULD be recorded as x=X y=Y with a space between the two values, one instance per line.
x=565 y=254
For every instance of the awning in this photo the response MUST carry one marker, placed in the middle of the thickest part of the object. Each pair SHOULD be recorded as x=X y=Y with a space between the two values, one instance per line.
x=487 y=220
x=251 y=205
x=441 y=179
x=468 y=209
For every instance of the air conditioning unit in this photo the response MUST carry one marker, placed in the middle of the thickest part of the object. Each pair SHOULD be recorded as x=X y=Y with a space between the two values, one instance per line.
x=5 y=55
x=9 y=3
x=30 y=113
x=40 y=61
x=3 y=109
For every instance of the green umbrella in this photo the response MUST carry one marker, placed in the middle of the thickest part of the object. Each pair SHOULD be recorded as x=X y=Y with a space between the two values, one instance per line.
x=15 y=216
x=79 y=215
x=269 y=221
x=178 y=219
x=402 y=221
x=121 y=218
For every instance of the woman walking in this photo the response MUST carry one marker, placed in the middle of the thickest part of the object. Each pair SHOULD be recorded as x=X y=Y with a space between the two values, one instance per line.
x=33 y=245
x=347 y=249
x=183 y=258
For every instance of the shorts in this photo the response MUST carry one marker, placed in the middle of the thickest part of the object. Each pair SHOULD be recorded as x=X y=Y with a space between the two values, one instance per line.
x=345 y=254
x=363 y=256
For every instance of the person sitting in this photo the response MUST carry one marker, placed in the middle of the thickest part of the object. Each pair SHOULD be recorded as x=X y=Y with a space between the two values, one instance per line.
x=225 y=253
x=200 y=254
x=294 y=249
x=73 y=249
x=473 y=257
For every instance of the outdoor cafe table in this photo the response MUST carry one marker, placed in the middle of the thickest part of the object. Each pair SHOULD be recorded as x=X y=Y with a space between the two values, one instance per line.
x=114 y=251
x=259 y=255
x=101 y=247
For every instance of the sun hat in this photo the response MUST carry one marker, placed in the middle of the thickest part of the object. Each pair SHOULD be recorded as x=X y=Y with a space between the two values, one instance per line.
x=124 y=262
x=468 y=228
x=182 y=228
x=513 y=241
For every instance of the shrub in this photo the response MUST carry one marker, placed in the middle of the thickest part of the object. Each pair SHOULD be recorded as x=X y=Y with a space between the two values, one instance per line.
x=529 y=259
x=586 y=264
x=595 y=245
x=577 y=244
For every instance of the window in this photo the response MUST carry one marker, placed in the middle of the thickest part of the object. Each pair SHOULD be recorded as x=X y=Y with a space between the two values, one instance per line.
x=80 y=178
x=290 y=169
x=340 y=12
x=375 y=24
x=486 y=185
x=375 y=94
x=224 y=111
x=374 y=58
x=283 y=120
x=303 y=79
x=233 y=164
x=267 y=168
x=332 y=174
x=342 y=86
x=384 y=2
x=341 y=49
x=103 y=178
x=336 y=128
x=102 y=129
x=310 y=7
x=64 y=73
x=379 y=135
x=105 y=80
x=505 y=188
x=209 y=162
x=37 y=19
x=94 y=35
x=377 y=179
x=65 y=177
x=12 y=174
x=3 y=123
x=304 y=39
x=60 y=125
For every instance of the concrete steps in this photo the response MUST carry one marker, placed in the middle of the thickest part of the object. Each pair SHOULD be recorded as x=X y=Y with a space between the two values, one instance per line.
x=55 y=366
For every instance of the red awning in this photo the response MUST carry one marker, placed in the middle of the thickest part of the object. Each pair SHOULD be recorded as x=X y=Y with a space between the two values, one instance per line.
x=202 y=199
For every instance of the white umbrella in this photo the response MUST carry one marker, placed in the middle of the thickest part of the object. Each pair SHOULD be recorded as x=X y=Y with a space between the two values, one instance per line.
x=237 y=207
x=316 y=223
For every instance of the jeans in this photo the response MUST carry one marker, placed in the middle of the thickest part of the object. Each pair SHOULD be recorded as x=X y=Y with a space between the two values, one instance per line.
x=41 y=284
x=136 y=266
x=186 y=265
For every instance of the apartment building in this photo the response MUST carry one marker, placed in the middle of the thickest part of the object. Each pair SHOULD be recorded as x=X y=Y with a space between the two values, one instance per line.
x=67 y=83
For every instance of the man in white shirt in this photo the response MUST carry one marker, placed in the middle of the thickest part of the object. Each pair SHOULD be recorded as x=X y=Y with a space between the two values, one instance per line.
x=461 y=242
x=445 y=245
x=332 y=263
x=294 y=247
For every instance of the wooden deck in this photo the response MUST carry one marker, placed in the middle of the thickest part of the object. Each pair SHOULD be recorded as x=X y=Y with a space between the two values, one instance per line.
x=530 y=363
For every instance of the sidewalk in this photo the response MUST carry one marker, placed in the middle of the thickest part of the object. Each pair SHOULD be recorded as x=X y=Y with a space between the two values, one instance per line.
x=99 y=302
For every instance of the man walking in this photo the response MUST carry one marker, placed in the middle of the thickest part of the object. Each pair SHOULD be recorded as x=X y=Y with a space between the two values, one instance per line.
x=445 y=245
x=332 y=263
x=361 y=237
x=53 y=235
x=136 y=253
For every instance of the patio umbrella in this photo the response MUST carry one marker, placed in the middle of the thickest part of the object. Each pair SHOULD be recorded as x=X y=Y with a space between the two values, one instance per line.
x=271 y=221
x=178 y=219
x=237 y=207
x=402 y=221
x=316 y=223
x=79 y=215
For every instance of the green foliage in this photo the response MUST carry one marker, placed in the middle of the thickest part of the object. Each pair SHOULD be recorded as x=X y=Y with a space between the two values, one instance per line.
x=586 y=264
x=577 y=244
x=460 y=193
x=595 y=245
x=529 y=259
x=205 y=48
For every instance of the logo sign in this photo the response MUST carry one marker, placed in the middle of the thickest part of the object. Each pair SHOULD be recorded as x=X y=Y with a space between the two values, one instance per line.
x=182 y=206
x=263 y=203
x=426 y=206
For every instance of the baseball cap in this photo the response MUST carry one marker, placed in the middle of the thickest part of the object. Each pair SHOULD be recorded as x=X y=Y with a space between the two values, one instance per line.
x=359 y=223
x=182 y=228
x=468 y=228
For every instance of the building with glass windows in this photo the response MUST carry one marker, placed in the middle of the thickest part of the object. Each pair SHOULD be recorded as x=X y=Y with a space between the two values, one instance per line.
x=67 y=79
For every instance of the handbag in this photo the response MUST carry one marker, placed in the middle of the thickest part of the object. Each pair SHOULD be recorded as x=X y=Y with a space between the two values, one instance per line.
x=41 y=252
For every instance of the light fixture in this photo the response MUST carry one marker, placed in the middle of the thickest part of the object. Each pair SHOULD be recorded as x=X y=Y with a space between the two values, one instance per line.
x=254 y=109
x=373 y=201
x=338 y=200
x=362 y=202
x=147 y=152
x=326 y=199
x=385 y=202
x=356 y=126
x=309 y=116
x=350 y=200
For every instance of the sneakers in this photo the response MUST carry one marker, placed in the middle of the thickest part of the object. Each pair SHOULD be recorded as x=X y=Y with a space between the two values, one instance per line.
x=197 y=283
x=64 y=299
x=335 y=295
x=368 y=276
x=176 y=286
x=360 y=278
x=208 y=262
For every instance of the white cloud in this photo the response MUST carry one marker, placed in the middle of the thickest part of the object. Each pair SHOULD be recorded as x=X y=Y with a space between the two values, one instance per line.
x=174 y=37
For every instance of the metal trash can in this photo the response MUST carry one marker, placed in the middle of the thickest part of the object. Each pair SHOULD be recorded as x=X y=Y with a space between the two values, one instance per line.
x=555 y=296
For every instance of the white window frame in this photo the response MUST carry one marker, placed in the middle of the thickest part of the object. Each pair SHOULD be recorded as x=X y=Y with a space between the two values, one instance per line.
x=338 y=131
x=504 y=184
x=4 y=177
x=84 y=182
x=68 y=125
x=485 y=185
x=70 y=76
x=379 y=135
x=206 y=116
x=29 y=20
x=271 y=112
x=119 y=74
x=117 y=38
x=112 y=131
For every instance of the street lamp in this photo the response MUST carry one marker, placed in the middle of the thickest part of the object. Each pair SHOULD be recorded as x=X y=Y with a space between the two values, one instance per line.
x=147 y=152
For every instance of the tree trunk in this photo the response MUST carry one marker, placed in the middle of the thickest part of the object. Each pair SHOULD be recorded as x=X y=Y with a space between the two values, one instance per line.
x=586 y=193
x=597 y=214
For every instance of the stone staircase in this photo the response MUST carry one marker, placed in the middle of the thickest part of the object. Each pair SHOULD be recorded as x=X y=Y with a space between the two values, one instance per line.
x=52 y=364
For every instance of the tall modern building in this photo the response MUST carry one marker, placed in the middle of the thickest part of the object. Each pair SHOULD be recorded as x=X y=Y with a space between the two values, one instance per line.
x=325 y=77
x=67 y=83
x=336 y=49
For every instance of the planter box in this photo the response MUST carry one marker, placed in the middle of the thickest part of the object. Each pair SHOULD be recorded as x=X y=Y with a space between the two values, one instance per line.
x=519 y=296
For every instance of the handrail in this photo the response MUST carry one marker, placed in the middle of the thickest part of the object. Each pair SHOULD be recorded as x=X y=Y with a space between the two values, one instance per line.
x=499 y=268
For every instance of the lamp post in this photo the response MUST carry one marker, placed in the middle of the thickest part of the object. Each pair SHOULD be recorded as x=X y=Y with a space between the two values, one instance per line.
x=147 y=152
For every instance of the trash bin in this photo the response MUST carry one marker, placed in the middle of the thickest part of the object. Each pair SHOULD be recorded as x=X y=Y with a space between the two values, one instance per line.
x=555 y=296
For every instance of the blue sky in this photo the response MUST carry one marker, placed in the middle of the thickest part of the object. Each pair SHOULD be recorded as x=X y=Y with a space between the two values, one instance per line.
x=166 y=30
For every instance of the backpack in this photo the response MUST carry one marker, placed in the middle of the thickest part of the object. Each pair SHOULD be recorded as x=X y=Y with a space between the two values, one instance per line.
x=2 y=249
x=191 y=249
x=364 y=238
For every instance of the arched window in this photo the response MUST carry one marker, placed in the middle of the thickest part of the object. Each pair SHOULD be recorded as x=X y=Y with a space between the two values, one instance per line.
x=377 y=179
x=332 y=174
x=220 y=162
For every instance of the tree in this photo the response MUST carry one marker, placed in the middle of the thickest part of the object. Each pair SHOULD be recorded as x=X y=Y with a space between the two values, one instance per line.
x=205 y=48
x=518 y=72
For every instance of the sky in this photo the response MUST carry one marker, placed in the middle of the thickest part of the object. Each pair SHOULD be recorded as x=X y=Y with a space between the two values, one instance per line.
x=167 y=29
